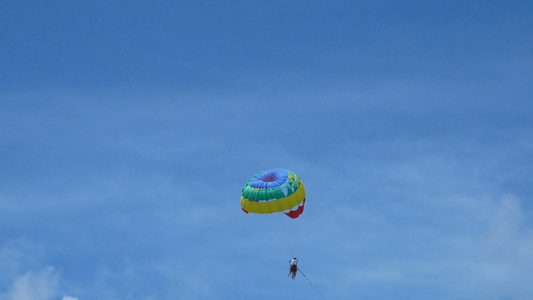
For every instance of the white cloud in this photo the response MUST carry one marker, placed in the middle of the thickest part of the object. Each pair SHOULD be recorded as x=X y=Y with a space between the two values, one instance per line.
x=506 y=251
x=18 y=256
x=40 y=285
x=69 y=298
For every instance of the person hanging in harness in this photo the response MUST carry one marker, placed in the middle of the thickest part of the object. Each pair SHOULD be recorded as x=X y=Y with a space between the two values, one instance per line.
x=293 y=267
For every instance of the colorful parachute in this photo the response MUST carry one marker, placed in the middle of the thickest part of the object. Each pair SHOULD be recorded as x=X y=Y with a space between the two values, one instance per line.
x=274 y=191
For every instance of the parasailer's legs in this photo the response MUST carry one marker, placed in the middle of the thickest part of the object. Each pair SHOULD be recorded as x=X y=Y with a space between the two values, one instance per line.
x=292 y=271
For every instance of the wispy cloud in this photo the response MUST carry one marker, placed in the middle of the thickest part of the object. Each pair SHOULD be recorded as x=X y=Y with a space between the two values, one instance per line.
x=35 y=285
x=505 y=263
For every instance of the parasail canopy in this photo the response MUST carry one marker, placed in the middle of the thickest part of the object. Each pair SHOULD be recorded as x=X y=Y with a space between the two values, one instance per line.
x=272 y=191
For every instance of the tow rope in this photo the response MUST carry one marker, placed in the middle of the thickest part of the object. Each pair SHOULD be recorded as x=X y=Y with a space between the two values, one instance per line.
x=313 y=285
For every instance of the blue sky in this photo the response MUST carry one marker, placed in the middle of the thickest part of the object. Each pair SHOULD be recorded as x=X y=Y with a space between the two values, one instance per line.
x=130 y=127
